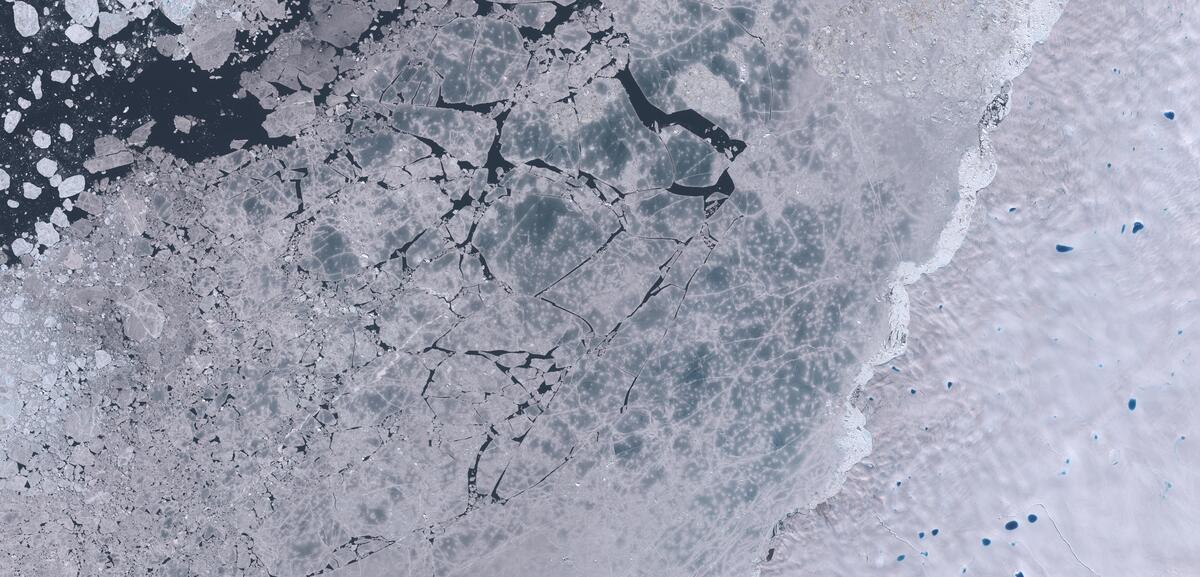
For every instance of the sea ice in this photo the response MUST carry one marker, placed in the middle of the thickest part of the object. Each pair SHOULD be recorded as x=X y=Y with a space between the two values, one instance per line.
x=25 y=19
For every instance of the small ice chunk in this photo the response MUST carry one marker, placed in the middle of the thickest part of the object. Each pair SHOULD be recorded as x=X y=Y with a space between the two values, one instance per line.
x=184 y=124
x=141 y=134
x=30 y=190
x=23 y=103
x=78 y=34
x=59 y=218
x=47 y=167
x=11 y=120
x=36 y=87
x=71 y=186
x=12 y=203
x=111 y=24
x=83 y=11
x=99 y=66
x=5 y=180
x=41 y=139
x=66 y=132
x=102 y=359
x=60 y=76
x=21 y=246
x=25 y=18
x=46 y=233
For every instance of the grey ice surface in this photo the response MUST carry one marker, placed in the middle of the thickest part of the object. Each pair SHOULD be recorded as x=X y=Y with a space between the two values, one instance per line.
x=582 y=288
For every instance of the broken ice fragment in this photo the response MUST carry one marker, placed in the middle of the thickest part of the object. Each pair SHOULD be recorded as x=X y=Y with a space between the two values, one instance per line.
x=141 y=134
x=60 y=76
x=4 y=180
x=30 y=190
x=41 y=139
x=111 y=24
x=83 y=11
x=184 y=124
x=47 y=167
x=71 y=186
x=25 y=18
x=66 y=132
x=78 y=34
x=11 y=120
x=21 y=246
x=102 y=359
x=36 y=88
x=110 y=153
x=293 y=115
x=144 y=319
x=177 y=11
x=210 y=45
x=59 y=218
x=46 y=235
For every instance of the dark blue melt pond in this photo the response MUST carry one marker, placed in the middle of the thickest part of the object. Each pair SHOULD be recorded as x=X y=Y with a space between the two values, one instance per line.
x=1137 y=225
x=900 y=558
x=1032 y=518
x=1063 y=248
x=986 y=541
x=1169 y=115
x=1011 y=525
x=1132 y=404
x=934 y=532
